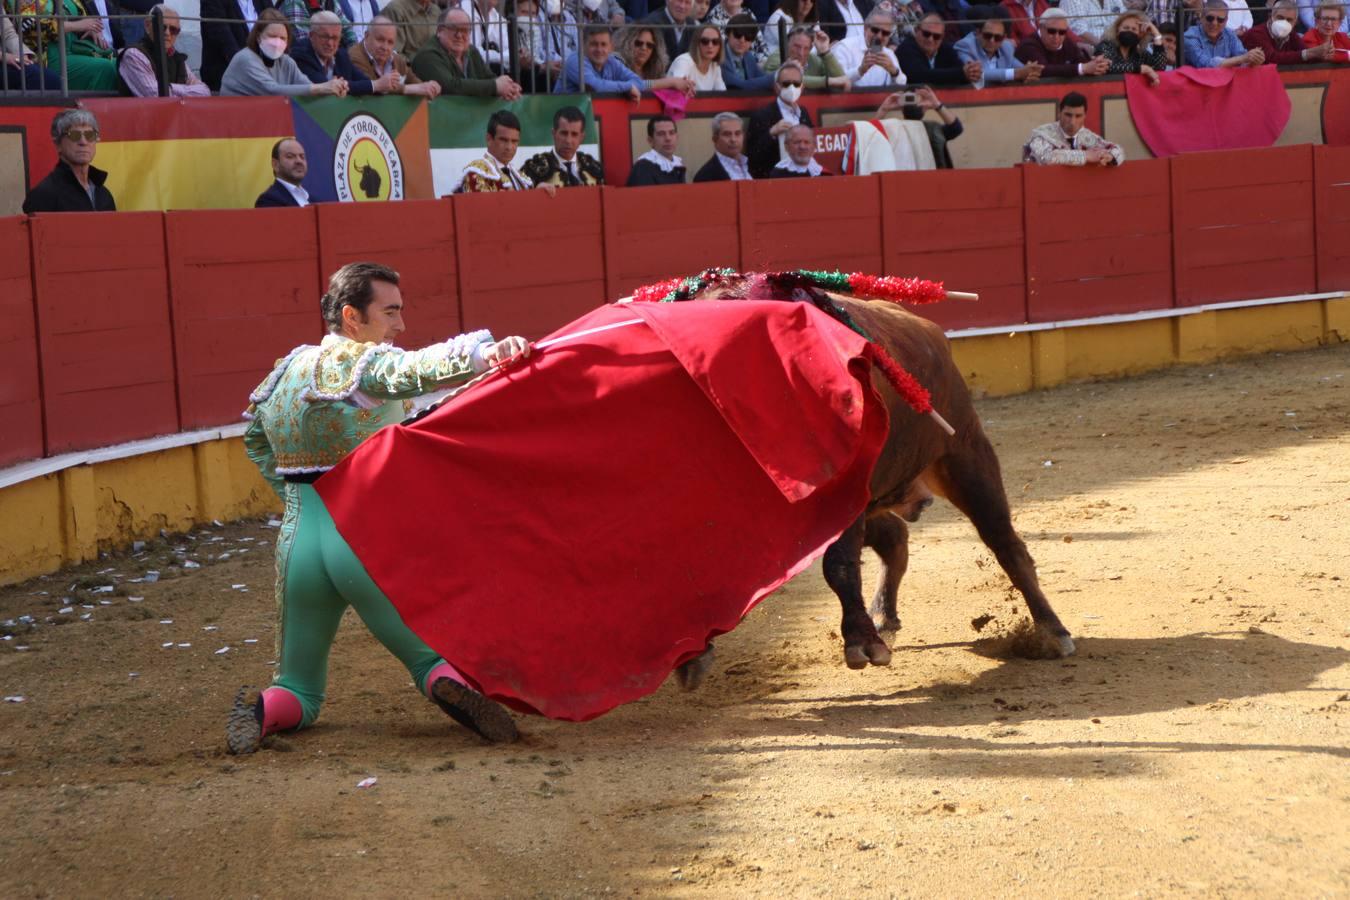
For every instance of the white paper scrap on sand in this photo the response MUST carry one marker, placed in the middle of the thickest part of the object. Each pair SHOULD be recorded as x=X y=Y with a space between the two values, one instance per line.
x=367 y=782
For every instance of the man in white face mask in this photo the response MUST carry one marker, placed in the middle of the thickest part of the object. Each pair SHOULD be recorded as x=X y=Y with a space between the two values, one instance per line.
x=1276 y=38
x=769 y=124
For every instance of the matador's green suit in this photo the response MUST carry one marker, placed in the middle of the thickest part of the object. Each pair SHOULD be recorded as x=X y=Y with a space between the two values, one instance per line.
x=315 y=407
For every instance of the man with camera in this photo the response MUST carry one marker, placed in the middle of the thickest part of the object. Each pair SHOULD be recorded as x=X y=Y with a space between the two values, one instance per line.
x=878 y=66
x=912 y=105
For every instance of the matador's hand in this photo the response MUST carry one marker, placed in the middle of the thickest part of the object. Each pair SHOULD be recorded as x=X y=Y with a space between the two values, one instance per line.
x=505 y=350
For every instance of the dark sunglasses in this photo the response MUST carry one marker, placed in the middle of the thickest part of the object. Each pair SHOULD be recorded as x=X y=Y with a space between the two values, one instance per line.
x=1056 y=31
x=932 y=35
x=173 y=30
x=1212 y=19
x=78 y=134
x=650 y=45
x=789 y=84
x=710 y=42
x=993 y=36
x=884 y=32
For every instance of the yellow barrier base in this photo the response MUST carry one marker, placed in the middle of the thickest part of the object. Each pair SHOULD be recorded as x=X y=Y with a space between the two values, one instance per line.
x=71 y=515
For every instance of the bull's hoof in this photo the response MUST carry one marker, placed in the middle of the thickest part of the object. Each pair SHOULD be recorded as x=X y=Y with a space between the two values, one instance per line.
x=889 y=626
x=692 y=673
x=1065 y=644
x=859 y=656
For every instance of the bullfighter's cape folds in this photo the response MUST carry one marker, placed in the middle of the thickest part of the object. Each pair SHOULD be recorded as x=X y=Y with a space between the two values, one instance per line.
x=568 y=531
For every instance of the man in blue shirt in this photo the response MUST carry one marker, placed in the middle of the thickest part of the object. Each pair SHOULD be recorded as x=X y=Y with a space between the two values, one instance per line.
x=988 y=45
x=606 y=74
x=1211 y=45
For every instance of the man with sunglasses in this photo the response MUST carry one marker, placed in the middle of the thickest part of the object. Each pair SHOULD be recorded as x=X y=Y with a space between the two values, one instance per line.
x=1054 y=47
x=138 y=69
x=1210 y=44
x=876 y=65
x=988 y=46
x=926 y=60
x=74 y=185
x=770 y=124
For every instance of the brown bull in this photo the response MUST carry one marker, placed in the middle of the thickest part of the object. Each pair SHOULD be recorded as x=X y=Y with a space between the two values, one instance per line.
x=918 y=457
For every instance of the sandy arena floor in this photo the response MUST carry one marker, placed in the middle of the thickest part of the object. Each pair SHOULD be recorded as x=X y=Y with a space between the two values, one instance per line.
x=1190 y=527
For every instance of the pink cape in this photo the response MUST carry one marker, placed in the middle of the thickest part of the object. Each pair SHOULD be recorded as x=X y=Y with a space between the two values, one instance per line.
x=1209 y=109
x=571 y=529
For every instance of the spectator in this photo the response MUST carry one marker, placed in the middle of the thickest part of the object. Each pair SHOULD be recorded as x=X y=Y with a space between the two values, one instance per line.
x=769 y=124
x=87 y=40
x=606 y=74
x=1211 y=45
x=740 y=67
x=299 y=12
x=1067 y=142
x=492 y=171
x=1023 y=16
x=800 y=162
x=1058 y=53
x=455 y=64
x=74 y=185
x=659 y=165
x=876 y=66
x=322 y=58
x=822 y=68
x=544 y=42
x=375 y=57
x=1276 y=39
x=565 y=165
x=791 y=13
x=225 y=28
x=360 y=13
x=1170 y=35
x=138 y=69
x=703 y=63
x=722 y=15
x=923 y=98
x=643 y=52
x=19 y=67
x=1133 y=44
x=956 y=15
x=489 y=33
x=1330 y=19
x=600 y=12
x=1240 y=18
x=843 y=21
x=988 y=46
x=1091 y=18
x=926 y=60
x=416 y=21
x=729 y=162
x=673 y=25
x=698 y=14
x=1307 y=15
x=288 y=169
x=262 y=68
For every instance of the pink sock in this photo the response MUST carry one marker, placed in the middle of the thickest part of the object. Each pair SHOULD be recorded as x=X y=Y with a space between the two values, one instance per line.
x=444 y=670
x=281 y=711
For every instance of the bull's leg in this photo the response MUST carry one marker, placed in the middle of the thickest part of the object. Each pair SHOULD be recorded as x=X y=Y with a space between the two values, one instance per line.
x=888 y=535
x=843 y=573
x=972 y=481
x=692 y=673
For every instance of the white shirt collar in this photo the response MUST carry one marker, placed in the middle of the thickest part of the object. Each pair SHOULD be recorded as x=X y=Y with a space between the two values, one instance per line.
x=738 y=168
x=661 y=162
x=792 y=115
x=299 y=193
x=812 y=168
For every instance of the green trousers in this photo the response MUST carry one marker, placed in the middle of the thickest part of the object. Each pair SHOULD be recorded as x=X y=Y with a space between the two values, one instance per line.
x=318 y=577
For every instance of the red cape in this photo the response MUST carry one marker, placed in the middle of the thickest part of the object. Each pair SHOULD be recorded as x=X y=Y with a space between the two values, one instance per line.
x=568 y=531
x=1209 y=109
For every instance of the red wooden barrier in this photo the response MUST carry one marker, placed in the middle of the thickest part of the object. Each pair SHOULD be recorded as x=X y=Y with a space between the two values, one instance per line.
x=1331 y=197
x=103 y=328
x=1099 y=241
x=20 y=389
x=964 y=229
x=656 y=233
x=811 y=223
x=244 y=292
x=529 y=262
x=417 y=238
x=1243 y=224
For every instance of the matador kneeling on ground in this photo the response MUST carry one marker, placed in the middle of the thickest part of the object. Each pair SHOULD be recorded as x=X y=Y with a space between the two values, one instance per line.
x=315 y=407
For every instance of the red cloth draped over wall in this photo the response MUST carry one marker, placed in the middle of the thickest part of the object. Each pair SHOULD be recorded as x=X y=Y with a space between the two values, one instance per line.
x=1209 y=109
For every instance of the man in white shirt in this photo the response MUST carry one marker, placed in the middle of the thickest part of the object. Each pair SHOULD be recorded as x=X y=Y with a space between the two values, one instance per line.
x=843 y=22
x=874 y=65
x=289 y=167
x=800 y=162
x=490 y=34
x=729 y=162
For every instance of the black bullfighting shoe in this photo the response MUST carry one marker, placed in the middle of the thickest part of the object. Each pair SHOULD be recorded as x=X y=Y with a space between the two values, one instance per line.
x=244 y=727
x=484 y=717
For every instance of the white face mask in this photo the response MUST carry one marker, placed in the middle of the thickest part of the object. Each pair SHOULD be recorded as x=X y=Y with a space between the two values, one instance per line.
x=1280 y=29
x=791 y=93
x=591 y=5
x=552 y=8
x=272 y=48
